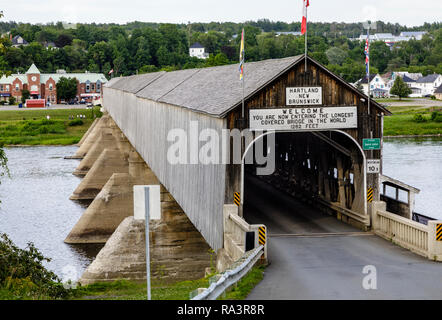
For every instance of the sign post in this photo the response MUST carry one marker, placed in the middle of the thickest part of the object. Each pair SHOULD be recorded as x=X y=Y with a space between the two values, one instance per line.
x=147 y=205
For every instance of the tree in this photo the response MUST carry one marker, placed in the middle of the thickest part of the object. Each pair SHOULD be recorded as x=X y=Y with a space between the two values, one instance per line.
x=400 y=88
x=66 y=88
x=25 y=94
x=336 y=55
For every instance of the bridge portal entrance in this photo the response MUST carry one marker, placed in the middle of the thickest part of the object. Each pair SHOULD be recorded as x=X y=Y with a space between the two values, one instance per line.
x=317 y=174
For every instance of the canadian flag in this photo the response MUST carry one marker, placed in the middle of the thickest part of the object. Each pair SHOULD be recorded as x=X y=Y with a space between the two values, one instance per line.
x=305 y=4
x=111 y=71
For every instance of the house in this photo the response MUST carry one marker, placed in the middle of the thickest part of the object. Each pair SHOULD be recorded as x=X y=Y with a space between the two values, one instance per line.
x=438 y=93
x=417 y=35
x=285 y=33
x=377 y=85
x=43 y=85
x=18 y=41
x=429 y=84
x=409 y=79
x=198 y=50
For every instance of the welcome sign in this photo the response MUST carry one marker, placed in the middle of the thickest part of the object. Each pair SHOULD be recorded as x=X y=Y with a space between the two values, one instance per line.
x=304 y=119
x=304 y=96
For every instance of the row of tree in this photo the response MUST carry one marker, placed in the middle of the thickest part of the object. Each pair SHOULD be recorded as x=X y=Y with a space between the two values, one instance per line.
x=141 y=47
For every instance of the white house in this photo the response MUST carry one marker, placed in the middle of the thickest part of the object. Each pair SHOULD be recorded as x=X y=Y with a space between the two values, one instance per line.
x=18 y=41
x=377 y=85
x=417 y=35
x=198 y=50
x=429 y=84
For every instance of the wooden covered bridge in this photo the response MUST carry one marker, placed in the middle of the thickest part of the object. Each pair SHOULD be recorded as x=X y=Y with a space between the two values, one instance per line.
x=305 y=133
x=321 y=155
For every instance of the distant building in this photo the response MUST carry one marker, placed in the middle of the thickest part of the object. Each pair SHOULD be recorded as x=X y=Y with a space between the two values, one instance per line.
x=18 y=41
x=377 y=86
x=198 y=50
x=43 y=85
x=438 y=93
x=417 y=35
x=429 y=84
x=390 y=39
x=293 y=33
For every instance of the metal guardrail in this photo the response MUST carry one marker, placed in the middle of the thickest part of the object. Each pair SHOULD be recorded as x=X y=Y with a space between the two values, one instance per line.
x=230 y=277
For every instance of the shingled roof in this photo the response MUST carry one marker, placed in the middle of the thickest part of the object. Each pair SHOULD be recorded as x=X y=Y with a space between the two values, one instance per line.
x=215 y=90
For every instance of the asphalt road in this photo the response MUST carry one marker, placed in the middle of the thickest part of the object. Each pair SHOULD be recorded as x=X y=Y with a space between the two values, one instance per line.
x=318 y=257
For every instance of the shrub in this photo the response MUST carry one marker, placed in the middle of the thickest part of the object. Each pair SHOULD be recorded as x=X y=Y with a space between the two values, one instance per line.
x=434 y=115
x=76 y=122
x=22 y=272
x=12 y=100
x=419 y=118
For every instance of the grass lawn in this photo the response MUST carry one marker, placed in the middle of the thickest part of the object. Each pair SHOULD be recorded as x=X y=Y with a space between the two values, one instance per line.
x=30 y=127
x=127 y=290
x=402 y=122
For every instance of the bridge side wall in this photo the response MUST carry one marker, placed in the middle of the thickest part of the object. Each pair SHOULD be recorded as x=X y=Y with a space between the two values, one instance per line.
x=198 y=188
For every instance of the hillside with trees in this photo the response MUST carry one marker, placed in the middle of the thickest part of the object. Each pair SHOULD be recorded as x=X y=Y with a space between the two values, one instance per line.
x=139 y=47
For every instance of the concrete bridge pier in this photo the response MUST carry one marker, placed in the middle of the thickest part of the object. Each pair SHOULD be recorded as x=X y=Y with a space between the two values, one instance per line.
x=178 y=251
x=91 y=137
x=111 y=160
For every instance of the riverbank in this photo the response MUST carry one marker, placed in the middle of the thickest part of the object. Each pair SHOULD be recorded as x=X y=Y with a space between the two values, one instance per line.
x=128 y=290
x=32 y=127
x=413 y=121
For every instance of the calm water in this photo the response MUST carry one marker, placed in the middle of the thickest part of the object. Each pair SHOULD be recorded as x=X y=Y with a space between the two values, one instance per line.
x=36 y=207
x=417 y=162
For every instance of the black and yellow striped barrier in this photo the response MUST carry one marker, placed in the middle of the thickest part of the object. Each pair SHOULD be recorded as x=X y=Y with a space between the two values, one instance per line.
x=237 y=198
x=370 y=194
x=262 y=235
x=439 y=232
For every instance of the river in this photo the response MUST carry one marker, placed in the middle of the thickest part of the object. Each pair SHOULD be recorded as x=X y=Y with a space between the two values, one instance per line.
x=36 y=207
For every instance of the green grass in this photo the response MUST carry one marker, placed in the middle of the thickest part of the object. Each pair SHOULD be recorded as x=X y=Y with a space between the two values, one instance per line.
x=245 y=285
x=30 y=127
x=402 y=122
x=129 y=290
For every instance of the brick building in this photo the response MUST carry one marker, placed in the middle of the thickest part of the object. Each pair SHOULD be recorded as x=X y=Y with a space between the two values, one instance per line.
x=43 y=85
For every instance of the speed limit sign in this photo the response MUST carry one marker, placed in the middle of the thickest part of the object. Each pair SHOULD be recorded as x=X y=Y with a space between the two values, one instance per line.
x=373 y=165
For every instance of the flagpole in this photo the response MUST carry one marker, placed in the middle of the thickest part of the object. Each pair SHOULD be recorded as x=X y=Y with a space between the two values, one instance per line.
x=306 y=24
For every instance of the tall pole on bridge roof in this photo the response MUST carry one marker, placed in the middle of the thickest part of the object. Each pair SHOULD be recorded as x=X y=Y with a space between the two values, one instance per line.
x=241 y=70
x=305 y=4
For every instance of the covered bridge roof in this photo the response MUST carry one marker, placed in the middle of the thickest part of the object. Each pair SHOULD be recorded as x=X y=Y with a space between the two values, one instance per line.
x=215 y=90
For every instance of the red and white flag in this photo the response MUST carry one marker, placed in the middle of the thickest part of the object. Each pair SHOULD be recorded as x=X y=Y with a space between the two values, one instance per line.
x=305 y=4
x=111 y=71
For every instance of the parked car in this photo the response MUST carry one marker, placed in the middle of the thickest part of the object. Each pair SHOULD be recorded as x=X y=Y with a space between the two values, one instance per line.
x=82 y=101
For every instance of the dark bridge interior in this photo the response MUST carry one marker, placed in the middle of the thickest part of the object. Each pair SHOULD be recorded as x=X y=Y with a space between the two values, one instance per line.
x=312 y=169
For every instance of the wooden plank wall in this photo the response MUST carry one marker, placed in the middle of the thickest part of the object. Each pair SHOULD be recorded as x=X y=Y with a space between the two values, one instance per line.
x=335 y=93
x=198 y=188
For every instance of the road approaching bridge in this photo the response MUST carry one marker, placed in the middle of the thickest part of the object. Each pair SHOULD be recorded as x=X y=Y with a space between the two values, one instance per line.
x=315 y=256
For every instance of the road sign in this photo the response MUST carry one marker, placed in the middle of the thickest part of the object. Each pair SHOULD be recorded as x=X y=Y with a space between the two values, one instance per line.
x=370 y=194
x=237 y=198
x=262 y=235
x=371 y=144
x=439 y=232
x=373 y=166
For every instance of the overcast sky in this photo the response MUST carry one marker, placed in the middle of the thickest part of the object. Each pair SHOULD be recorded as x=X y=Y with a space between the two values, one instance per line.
x=405 y=12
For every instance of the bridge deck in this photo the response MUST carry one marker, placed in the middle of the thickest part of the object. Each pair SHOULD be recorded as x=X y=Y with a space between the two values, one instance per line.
x=330 y=266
